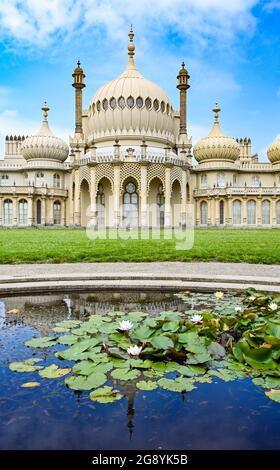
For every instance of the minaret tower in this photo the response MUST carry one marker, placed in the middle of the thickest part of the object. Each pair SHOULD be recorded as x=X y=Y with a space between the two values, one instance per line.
x=183 y=85
x=78 y=84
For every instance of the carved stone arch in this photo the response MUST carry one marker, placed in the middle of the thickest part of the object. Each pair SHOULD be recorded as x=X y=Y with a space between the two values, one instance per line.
x=84 y=174
x=172 y=184
x=160 y=179
x=104 y=177
x=104 y=170
x=156 y=170
x=130 y=170
x=128 y=179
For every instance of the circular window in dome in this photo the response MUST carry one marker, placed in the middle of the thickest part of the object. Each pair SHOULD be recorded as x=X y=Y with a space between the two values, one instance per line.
x=139 y=102
x=105 y=104
x=148 y=103
x=92 y=108
x=113 y=103
x=130 y=188
x=121 y=102
x=162 y=106
x=130 y=102
x=98 y=106
x=167 y=108
x=156 y=105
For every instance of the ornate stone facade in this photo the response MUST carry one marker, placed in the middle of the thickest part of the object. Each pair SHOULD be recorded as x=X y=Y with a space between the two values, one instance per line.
x=131 y=165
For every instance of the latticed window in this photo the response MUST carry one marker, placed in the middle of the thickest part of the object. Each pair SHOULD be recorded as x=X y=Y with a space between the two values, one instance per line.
x=130 y=102
x=113 y=103
x=203 y=213
x=251 y=212
x=156 y=105
x=22 y=212
x=105 y=104
x=266 y=212
x=121 y=102
x=8 y=212
x=139 y=102
x=203 y=182
x=236 y=212
x=148 y=103
x=130 y=200
x=56 y=180
x=222 y=212
x=40 y=179
x=57 y=212
x=278 y=212
x=4 y=180
x=100 y=202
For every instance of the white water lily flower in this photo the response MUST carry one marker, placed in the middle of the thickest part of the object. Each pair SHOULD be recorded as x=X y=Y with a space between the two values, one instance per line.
x=273 y=306
x=196 y=318
x=252 y=298
x=238 y=309
x=125 y=325
x=219 y=295
x=134 y=350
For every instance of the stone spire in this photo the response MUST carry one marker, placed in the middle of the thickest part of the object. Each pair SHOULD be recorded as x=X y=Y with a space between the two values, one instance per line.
x=183 y=85
x=131 y=49
x=78 y=84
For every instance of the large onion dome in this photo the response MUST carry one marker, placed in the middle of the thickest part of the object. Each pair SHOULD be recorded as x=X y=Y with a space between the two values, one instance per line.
x=131 y=106
x=216 y=145
x=273 y=152
x=44 y=144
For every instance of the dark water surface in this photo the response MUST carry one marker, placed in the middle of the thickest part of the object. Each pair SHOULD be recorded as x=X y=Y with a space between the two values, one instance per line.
x=221 y=415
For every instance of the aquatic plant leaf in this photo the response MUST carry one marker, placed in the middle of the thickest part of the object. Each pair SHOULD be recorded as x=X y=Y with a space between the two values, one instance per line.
x=223 y=374
x=141 y=364
x=82 y=382
x=274 y=328
x=68 y=323
x=42 y=342
x=84 y=367
x=149 y=385
x=24 y=366
x=54 y=372
x=105 y=395
x=30 y=384
x=198 y=358
x=142 y=333
x=67 y=339
x=161 y=342
x=151 y=373
x=273 y=395
x=267 y=382
x=190 y=371
x=118 y=363
x=60 y=329
x=216 y=350
x=171 y=326
x=260 y=359
x=84 y=345
x=125 y=374
x=176 y=385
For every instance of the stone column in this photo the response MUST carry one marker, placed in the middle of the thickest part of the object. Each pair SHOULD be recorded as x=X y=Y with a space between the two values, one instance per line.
x=273 y=211
x=244 y=212
x=117 y=222
x=259 y=211
x=15 y=211
x=167 y=206
x=30 y=211
x=229 y=211
x=47 y=211
x=144 y=209
x=63 y=212
x=217 y=212
x=77 y=209
x=70 y=200
x=43 y=220
x=184 y=198
x=93 y=208
x=1 y=211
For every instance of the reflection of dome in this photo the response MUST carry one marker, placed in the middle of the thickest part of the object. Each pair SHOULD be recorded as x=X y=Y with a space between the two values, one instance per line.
x=130 y=105
x=216 y=145
x=44 y=144
x=273 y=151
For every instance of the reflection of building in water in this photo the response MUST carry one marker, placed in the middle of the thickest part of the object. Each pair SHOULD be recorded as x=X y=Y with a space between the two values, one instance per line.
x=42 y=312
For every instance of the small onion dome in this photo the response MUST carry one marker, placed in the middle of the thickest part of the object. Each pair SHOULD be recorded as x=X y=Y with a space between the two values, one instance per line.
x=273 y=152
x=216 y=145
x=44 y=144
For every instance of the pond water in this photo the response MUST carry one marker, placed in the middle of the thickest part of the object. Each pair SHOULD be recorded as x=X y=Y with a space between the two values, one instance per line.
x=217 y=415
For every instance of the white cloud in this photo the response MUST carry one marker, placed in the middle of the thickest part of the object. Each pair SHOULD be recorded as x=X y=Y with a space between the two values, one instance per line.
x=13 y=123
x=33 y=22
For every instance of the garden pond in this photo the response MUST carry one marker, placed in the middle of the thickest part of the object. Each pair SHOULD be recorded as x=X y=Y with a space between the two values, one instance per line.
x=140 y=370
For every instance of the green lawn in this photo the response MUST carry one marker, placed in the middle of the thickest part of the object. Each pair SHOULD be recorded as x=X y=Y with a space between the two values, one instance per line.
x=72 y=245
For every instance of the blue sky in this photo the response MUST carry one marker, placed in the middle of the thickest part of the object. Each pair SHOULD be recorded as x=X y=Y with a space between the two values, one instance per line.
x=231 y=50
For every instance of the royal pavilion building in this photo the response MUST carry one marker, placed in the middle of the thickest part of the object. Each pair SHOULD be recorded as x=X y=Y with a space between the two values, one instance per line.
x=131 y=163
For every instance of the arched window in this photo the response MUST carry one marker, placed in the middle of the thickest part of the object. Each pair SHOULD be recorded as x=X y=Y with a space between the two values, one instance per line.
x=130 y=200
x=251 y=212
x=222 y=212
x=256 y=181
x=57 y=212
x=236 y=212
x=4 y=180
x=8 y=212
x=160 y=206
x=278 y=212
x=203 y=182
x=39 y=212
x=203 y=213
x=56 y=180
x=266 y=212
x=22 y=212
x=220 y=180
x=39 y=179
x=100 y=201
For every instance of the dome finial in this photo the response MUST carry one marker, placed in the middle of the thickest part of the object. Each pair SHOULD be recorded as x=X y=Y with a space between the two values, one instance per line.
x=131 y=47
x=45 y=110
x=216 y=111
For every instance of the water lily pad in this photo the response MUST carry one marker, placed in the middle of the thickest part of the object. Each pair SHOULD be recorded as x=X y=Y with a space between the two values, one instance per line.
x=67 y=339
x=171 y=326
x=82 y=382
x=105 y=395
x=176 y=385
x=25 y=366
x=267 y=382
x=149 y=385
x=30 y=384
x=198 y=358
x=68 y=324
x=142 y=333
x=216 y=350
x=190 y=371
x=54 y=372
x=60 y=329
x=161 y=342
x=273 y=395
x=43 y=342
x=125 y=374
